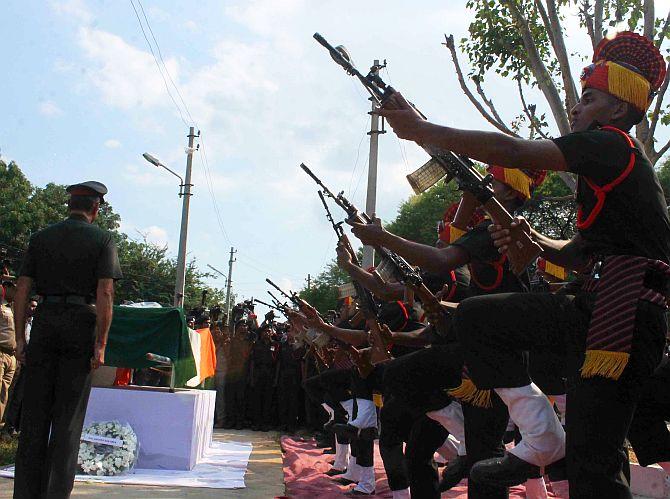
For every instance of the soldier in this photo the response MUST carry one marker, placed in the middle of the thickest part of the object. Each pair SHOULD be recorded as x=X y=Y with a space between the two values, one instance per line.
x=262 y=374
x=611 y=330
x=288 y=382
x=72 y=265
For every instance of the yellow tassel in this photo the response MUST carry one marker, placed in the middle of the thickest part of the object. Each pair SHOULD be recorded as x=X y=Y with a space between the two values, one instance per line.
x=628 y=85
x=377 y=398
x=603 y=363
x=555 y=270
x=468 y=392
x=454 y=233
x=518 y=181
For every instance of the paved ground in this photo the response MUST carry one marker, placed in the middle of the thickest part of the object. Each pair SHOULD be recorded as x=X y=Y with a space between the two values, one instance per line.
x=264 y=478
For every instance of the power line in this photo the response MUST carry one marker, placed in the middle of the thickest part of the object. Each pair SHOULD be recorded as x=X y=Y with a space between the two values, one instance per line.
x=160 y=55
x=164 y=71
x=167 y=87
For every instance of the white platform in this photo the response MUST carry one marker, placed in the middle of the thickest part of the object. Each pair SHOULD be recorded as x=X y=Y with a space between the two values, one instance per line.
x=174 y=429
x=222 y=467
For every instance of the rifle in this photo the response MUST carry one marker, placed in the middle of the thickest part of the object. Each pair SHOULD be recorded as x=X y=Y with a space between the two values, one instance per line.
x=359 y=357
x=321 y=352
x=268 y=305
x=277 y=303
x=523 y=249
x=391 y=263
x=379 y=352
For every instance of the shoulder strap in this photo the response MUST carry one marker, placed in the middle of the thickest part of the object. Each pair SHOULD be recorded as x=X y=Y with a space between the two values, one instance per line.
x=601 y=191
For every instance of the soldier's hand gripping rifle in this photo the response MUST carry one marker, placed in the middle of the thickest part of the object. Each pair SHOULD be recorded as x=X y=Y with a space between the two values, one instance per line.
x=320 y=341
x=379 y=352
x=523 y=250
x=391 y=263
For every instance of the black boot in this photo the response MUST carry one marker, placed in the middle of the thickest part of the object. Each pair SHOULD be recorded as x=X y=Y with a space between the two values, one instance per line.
x=505 y=471
x=455 y=471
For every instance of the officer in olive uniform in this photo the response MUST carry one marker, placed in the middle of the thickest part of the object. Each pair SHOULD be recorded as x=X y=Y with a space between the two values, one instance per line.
x=72 y=265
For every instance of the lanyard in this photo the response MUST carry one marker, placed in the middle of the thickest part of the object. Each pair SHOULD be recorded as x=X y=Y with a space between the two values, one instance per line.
x=601 y=191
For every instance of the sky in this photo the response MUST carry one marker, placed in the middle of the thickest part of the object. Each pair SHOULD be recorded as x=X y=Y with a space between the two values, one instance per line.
x=82 y=98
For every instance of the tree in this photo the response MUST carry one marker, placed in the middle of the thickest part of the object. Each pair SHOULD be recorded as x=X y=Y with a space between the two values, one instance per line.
x=322 y=293
x=552 y=209
x=664 y=178
x=418 y=216
x=149 y=275
x=524 y=39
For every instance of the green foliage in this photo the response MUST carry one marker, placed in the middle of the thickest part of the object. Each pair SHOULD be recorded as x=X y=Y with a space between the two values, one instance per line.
x=495 y=43
x=323 y=290
x=552 y=210
x=8 y=446
x=418 y=216
x=149 y=275
x=664 y=177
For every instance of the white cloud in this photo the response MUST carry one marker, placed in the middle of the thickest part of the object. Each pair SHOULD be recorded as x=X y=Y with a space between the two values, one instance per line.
x=155 y=235
x=50 y=108
x=112 y=144
x=125 y=75
x=75 y=9
x=191 y=25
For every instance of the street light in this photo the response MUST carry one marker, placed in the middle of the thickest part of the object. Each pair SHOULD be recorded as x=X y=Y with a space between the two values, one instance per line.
x=218 y=271
x=185 y=193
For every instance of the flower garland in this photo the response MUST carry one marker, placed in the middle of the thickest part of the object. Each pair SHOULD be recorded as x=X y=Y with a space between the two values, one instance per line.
x=107 y=448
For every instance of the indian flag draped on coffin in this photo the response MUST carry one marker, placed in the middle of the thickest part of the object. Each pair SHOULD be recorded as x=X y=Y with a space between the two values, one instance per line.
x=138 y=331
x=204 y=354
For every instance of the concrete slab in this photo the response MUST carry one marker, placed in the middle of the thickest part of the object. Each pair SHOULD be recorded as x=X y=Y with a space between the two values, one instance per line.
x=264 y=478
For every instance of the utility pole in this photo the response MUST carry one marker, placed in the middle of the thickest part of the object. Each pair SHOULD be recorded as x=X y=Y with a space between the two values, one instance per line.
x=228 y=285
x=309 y=282
x=186 y=200
x=371 y=200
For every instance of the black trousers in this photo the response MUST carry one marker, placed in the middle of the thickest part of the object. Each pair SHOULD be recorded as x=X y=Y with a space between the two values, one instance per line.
x=288 y=397
x=484 y=430
x=425 y=437
x=57 y=386
x=648 y=433
x=330 y=387
x=396 y=424
x=234 y=393
x=13 y=411
x=262 y=390
x=495 y=329
x=419 y=379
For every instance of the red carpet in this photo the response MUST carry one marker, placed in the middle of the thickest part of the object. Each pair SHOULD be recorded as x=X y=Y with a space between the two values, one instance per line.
x=304 y=465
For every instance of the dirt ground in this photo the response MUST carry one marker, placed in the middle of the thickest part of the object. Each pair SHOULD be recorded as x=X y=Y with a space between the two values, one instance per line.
x=264 y=477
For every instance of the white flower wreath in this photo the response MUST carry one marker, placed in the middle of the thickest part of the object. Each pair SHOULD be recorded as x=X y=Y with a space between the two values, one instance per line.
x=107 y=448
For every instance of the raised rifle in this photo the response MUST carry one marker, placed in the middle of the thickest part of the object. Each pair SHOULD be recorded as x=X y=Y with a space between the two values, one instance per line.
x=523 y=249
x=319 y=343
x=379 y=352
x=268 y=305
x=391 y=264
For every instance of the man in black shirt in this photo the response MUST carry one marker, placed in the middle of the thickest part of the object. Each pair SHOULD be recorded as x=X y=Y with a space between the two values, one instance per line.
x=419 y=381
x=72 y=265
x=611 y=345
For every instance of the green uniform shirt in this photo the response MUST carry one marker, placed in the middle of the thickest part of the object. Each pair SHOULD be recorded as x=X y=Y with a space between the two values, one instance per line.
x=68 y=258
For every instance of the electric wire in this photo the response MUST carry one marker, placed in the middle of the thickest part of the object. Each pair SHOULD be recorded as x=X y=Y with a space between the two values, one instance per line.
x=167 y=87
x=160 y=55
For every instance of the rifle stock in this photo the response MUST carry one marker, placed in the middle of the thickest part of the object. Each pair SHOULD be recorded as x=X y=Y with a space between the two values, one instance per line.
x=523 y=249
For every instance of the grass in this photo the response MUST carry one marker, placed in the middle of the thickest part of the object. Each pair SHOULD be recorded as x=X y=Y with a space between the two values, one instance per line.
x=8 y=449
